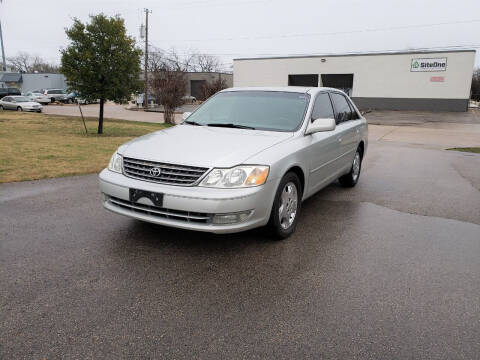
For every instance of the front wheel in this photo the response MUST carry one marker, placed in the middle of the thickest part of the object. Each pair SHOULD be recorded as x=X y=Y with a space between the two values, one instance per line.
x=19 y=108
x=69 y=101
x=351 y=179
x=286 y=206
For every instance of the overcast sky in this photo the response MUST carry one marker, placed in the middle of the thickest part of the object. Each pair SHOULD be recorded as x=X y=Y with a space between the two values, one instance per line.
x=250 y=28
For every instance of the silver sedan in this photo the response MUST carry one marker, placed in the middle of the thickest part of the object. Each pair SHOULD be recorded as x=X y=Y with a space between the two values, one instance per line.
x=19 y=103
x=37 y=97
x=246 y=158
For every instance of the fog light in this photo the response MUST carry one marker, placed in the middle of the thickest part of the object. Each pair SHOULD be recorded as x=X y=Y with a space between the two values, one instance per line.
x=233 y=218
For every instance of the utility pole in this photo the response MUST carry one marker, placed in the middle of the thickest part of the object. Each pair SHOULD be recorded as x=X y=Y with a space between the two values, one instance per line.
x=4 y=64
x=145 y=92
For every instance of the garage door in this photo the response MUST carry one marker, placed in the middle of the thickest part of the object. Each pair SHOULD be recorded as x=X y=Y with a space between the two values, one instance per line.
x=196 y=88
x=342 y=82
x=303 y=80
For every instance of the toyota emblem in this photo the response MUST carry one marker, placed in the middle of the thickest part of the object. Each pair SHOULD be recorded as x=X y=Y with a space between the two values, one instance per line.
x=155 y=172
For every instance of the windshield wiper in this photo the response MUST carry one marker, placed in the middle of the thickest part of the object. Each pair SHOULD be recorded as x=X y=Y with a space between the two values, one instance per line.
x=230 y=125
x=192 y=123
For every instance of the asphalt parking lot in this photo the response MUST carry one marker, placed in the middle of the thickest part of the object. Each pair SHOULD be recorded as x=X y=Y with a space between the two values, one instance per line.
x=387 y=270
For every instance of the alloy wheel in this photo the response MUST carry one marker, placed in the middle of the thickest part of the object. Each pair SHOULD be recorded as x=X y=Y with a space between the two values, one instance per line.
x=288 y=205
x=356 y=166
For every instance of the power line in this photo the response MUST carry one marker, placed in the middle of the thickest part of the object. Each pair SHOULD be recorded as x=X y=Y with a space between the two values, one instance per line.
x=391 y=28
x=209 y=3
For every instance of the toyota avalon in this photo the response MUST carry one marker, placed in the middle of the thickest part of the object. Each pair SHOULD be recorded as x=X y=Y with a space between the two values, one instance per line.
x=246 y=158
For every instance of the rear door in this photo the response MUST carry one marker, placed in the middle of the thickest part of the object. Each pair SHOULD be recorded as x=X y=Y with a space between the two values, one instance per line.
x=347 y=123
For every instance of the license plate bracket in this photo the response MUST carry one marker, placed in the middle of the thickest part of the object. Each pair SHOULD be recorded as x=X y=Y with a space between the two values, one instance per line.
x=156 y=198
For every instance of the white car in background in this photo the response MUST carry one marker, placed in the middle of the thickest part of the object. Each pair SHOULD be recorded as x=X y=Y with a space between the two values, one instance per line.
x=37 y=97
x=56 y=95
x=19 y=103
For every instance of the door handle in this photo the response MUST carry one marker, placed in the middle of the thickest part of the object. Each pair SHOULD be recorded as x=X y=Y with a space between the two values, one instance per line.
x=339 y=139
x=357 y=131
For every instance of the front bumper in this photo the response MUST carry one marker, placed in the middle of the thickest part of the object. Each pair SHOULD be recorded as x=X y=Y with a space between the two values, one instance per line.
x=187 y=200
x=32 y=109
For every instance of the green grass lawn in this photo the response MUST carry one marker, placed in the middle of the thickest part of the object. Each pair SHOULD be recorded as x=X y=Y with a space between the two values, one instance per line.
x=37 y=146
x=467 y=149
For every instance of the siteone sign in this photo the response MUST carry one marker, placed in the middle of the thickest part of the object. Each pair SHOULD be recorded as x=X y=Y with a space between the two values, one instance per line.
x=431 y=64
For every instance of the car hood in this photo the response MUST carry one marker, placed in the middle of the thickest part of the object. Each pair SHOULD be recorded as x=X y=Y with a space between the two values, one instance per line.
x=201 y=145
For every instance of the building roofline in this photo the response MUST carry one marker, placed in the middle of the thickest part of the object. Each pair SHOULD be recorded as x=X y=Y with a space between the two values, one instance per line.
x=358 y=54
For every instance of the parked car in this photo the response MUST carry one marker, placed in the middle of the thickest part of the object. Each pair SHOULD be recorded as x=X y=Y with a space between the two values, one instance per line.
x=188 y=99
x=9 y=91
x=71 y=98
x=247 y=157
x=56 y=94
x=19 y=103
x=37 y=97
x=86 y=102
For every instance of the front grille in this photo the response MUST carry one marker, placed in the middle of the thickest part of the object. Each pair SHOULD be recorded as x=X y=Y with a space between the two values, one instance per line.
x=179 y=215
x=169 y=173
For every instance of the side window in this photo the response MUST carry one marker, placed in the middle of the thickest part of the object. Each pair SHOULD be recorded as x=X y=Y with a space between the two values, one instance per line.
x=322 y=109
x=354 y=112
x=342 y=109
x=6 y=98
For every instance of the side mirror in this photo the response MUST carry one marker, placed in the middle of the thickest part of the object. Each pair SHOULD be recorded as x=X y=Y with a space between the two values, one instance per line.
x=185 y=115
x=319 y=125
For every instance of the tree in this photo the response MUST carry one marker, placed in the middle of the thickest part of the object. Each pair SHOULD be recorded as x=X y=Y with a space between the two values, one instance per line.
x=211 y=88
x=206 y=63
x=27 y=63
x=168 y=86
x=476 y=85
x=101 y=61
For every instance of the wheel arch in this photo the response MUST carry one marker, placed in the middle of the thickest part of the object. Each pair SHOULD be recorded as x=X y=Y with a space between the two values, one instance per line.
x=297 y=170
x=361 y=146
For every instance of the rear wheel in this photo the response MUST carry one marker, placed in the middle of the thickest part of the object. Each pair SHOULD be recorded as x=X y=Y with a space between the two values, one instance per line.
x=351 y=179
x=52 y=100
x=69 y=101
x=19 y=108
x=286 y=207
x=1 y=108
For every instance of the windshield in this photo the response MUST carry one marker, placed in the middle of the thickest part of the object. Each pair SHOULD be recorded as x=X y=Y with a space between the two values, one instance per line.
x=21 y=99
x=264 y=110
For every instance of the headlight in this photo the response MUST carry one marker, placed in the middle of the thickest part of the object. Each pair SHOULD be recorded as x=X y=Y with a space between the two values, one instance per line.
x=116 y=163
x=240 y=176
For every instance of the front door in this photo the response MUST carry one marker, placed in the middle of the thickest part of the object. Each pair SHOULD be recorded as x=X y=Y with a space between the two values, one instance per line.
x=325 y=149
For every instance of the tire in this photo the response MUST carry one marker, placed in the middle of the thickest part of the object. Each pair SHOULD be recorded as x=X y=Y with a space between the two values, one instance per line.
x=283 y=220
x=1 y=108
x=19 y=108
x=52 y=100
x=39 y=111
x=351 y=179
x=85 y=103
x=69 y=101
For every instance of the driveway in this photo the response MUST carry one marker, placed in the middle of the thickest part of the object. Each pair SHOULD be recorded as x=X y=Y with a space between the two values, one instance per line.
x=387 y=270
x=111 y=111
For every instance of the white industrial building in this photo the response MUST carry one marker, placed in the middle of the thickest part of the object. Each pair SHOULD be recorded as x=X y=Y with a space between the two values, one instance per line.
x=421 y=80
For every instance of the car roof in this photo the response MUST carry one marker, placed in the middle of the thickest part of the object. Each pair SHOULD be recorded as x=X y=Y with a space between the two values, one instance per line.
x=296 y=89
